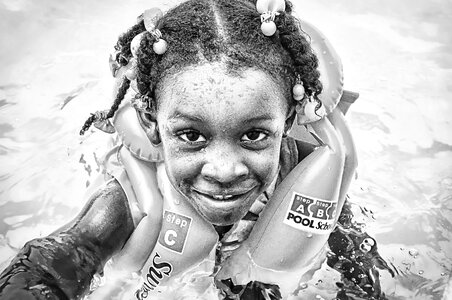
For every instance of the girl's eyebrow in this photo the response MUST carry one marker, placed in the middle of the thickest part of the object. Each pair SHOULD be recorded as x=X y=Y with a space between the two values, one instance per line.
x=189 y=117
x=195 y=118
x=264 y=117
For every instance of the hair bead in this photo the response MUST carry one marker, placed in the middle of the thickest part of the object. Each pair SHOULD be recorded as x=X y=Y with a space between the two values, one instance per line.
x=298 y=91
x=151 y=18
x=269 y=9
x=135 y=44
x=160 y=46
x=268 y=28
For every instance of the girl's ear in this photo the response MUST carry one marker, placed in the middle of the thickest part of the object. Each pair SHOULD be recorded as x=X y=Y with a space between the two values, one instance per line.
x=289 y=120
x=148 y=122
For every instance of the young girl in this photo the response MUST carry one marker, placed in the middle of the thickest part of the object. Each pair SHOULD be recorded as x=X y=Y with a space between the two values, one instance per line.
x=206 y=179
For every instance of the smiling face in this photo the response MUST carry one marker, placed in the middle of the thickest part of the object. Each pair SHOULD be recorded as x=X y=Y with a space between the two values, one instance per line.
x=221 y=136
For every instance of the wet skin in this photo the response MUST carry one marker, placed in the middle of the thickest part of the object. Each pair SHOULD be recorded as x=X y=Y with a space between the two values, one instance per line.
x=221 y=135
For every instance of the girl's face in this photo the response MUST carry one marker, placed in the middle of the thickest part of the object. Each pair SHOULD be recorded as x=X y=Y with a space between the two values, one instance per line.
x=221 y=136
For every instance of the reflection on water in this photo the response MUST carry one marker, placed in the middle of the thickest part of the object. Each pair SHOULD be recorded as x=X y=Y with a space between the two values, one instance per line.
x=397 y=55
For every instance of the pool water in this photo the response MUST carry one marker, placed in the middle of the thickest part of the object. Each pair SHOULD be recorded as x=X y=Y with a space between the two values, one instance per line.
x=396 y=54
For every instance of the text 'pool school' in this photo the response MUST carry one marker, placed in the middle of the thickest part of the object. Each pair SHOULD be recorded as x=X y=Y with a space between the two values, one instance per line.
x=312 y=215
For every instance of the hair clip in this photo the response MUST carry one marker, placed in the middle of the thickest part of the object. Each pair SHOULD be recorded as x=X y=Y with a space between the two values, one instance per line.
x=131 y=73
x=101 y=122
x=311 y=109
x=114 y=65
x=141 y=102
x=269 y=9
x=120 y=58
x=150 y=18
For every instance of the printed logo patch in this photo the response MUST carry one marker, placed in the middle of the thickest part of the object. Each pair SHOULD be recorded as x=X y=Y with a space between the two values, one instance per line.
x=312 y=215
x=154 y=276
x=174 y=231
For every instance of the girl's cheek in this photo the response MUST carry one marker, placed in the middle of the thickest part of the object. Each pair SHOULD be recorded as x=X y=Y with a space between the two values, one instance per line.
x=171 y=146
x=265 y=164
x=179 y=163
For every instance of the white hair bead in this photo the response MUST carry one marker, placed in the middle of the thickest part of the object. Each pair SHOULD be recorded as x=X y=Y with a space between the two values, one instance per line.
x=298 y=91
x=268 y=28
x=135 y=44
x=160 y=46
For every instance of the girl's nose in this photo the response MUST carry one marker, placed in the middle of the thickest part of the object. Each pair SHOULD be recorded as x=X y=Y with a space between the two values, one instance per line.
x=224 y=169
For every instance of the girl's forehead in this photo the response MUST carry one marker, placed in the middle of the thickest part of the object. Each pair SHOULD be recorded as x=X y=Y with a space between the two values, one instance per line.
x=215 y=81
x=208 y=91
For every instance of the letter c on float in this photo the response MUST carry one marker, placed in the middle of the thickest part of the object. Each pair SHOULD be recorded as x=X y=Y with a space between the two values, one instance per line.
x=170 y=237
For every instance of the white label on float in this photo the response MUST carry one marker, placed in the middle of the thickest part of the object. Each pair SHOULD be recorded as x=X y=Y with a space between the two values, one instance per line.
x=312 y=215
x=174 y=231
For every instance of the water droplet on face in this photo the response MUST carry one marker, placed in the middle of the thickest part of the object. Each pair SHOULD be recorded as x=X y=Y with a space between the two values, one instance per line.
x=443 y=274
x=309 y=235
x=303 y=286
x=420 y=272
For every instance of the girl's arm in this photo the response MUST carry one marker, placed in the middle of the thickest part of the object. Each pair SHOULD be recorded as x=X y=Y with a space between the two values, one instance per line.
x=61 y=265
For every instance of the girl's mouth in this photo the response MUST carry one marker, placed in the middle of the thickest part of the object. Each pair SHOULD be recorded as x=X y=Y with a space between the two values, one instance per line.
x=228 y=196
x=222 y=197
x=218 y=196
x=225 y=207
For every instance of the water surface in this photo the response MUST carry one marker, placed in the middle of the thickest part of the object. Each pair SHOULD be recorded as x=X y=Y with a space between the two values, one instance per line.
x=396 y=54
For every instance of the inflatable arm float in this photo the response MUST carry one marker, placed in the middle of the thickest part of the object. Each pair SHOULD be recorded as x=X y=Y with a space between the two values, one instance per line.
x=295 y=225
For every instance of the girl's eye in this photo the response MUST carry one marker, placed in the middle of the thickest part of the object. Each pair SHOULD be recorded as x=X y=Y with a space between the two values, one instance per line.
x=254 y=136
x=192 y=137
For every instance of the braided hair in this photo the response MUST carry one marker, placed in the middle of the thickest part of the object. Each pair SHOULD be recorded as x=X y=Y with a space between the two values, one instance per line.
x=229 y=31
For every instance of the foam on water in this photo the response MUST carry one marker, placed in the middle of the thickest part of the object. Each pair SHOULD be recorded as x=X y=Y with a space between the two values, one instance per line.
x=396 y=54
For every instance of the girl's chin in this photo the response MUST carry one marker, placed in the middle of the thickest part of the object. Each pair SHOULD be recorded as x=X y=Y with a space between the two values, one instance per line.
x=221 y=217
x=222 y=220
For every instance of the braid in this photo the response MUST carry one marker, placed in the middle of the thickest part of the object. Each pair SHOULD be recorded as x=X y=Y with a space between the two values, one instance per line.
x=122 y=57
x=123 y=44
x=122 y=91
x=125 y=84
x=304 y=59
x=146 y=58
x=87 y=124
